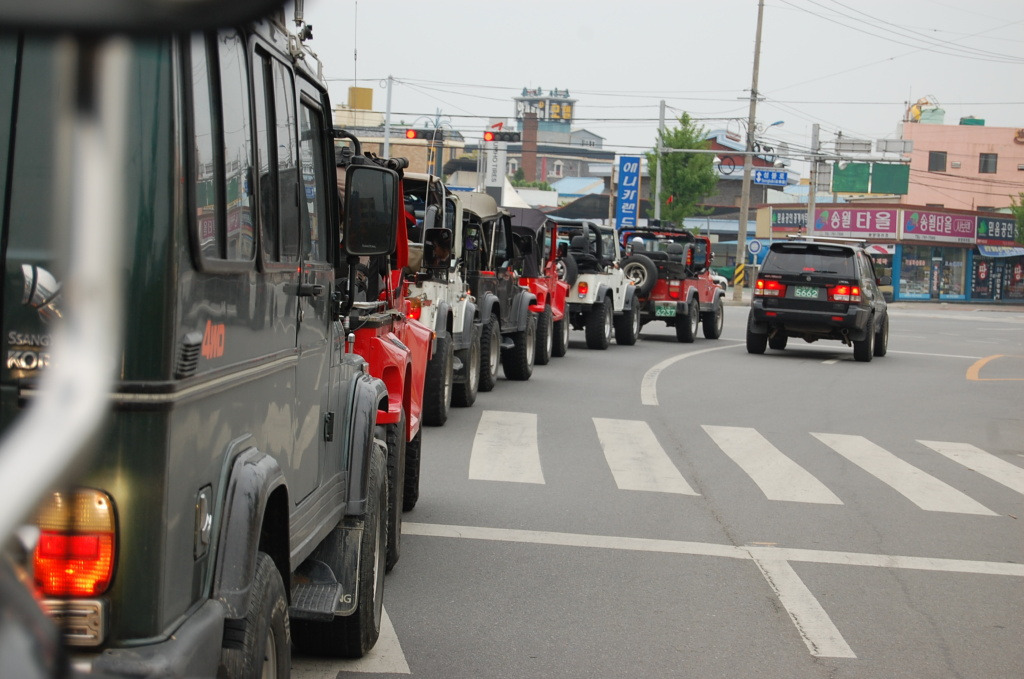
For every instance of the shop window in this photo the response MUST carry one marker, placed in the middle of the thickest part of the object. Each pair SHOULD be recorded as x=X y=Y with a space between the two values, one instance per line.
x=915 y=269
x=987 y=163
x=954 y=273
x=936 y=161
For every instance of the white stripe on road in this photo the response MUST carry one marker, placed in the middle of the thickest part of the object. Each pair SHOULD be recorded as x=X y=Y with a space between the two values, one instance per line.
x=778 y=477
x=506 y=449
x=924 y=490
x=819 y=633
x=637 y=460
x=386 y=657
x=649 y=383
x=986 y=464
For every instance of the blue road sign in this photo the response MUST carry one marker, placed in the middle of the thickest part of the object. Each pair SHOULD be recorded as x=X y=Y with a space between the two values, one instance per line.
x=628 y=204
x=771 y=177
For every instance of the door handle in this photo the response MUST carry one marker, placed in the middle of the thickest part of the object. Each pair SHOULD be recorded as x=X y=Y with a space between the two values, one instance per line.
x=310 y=290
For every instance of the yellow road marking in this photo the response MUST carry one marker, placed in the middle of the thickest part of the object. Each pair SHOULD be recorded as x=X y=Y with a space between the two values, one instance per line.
x=973 y=373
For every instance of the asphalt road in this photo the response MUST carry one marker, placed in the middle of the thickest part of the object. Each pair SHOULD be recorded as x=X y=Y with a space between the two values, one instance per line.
x=672 y=510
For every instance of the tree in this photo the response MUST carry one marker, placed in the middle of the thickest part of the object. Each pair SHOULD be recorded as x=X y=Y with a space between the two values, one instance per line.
x=686 y=178
x=1017 y=208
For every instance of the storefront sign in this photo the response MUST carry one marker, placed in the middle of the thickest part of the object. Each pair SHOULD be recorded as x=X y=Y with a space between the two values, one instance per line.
x=996 y=231
x=939 y=227
x=788 y=220
x=856 y=222
x=627 y=206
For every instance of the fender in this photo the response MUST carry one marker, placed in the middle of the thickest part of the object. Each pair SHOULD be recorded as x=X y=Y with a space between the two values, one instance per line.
x=464 y=336
x=487 y=306
x=558 y=300
x=367 y=396
x=442 y=321
x=388 y=357
x=521 y=308
x=422 y=344
x=602 y=291
x=631 y=296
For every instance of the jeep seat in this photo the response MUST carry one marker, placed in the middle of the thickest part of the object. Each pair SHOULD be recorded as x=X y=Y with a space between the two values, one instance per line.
x=580 y=250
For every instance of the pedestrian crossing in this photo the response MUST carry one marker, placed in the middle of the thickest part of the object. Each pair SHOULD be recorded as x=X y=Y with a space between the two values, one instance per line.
x=506 y=448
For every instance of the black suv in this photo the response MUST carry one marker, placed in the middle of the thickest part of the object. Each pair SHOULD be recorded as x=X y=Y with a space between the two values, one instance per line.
x=816 y=288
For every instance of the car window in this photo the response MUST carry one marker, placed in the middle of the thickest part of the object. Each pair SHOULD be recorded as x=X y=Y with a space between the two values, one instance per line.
x=799 y=258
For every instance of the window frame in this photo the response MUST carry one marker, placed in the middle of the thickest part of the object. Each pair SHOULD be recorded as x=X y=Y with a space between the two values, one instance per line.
x=984 y=160
x=933 y=161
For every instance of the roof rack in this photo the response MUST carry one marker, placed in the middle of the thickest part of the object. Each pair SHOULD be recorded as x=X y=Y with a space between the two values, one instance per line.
x=827 y=239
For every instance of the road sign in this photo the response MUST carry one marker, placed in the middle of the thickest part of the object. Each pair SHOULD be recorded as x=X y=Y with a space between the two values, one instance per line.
x=754 y=246
x=771 y=177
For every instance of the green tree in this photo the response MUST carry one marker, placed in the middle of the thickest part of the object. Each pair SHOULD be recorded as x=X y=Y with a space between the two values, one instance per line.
x=686 y=178
x=1017 y=208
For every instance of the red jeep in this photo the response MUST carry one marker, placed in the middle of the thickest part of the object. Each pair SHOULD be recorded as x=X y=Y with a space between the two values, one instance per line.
x=671 y=267
x=536 y=237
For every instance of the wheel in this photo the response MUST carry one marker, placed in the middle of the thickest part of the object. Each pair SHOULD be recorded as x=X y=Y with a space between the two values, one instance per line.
x=627 y=325
x=882 y=337
x=560 y=339
x=686 y=328
x=260 y=646
x=642 y=271
x=778 y=340
x=756 y=342
x=437 y=390
x=464 y=392
x=864 y=350
x=518 y=361
x=567 y=270
x=490 y=353
x=713 y=321
x=354 y=635
x=411 y=487
x=398 y=464
x=545 y=338
x=599 y=325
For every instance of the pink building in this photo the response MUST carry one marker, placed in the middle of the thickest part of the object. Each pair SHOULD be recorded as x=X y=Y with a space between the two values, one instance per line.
x=964 y=167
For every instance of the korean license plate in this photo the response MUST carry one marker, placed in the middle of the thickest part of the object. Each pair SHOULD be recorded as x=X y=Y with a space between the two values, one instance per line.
x=806 y=292
x=663 y=309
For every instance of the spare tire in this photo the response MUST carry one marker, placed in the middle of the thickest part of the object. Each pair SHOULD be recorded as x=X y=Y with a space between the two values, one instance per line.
x=567 y=270
x=642 y=271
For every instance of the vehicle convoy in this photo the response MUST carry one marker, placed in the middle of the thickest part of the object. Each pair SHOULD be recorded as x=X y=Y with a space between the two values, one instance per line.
x=671 y=268
x=819 y=288
x=439 y=295
x=537 y=238
x=601 y=298
x=238 y=497
x=378 y=316
x=493 y=268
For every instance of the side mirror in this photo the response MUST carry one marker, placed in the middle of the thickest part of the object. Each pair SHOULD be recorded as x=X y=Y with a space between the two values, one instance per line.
x=884 y=280
x=371 y=210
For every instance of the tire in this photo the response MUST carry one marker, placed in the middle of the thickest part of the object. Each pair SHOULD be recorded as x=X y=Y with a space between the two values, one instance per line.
x=398 y=465
x=642 y=271
x=560 y=339
x=545 y=338
x=262 y=645
x=599 y=325
x=437 y=390
x=686 y=329
x=464 y=393
x=490 y=353
x=518 y=361
x=778 y=341
x=713 y=321
x=567 y=270
x=411 y=487
x=756 y=343
x=882 y=337
x=864 y=350
x=627 y=325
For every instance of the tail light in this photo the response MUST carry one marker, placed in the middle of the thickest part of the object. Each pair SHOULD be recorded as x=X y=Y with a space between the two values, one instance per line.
x=414 y=308
x=767 y=288
x=674 y=289
x=689 y=257
x=844 y=293
x=582 y=289
x=75 y=554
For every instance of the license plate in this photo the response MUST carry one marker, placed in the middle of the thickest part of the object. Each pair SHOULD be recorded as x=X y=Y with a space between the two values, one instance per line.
x=806 y=292
x=662 y=310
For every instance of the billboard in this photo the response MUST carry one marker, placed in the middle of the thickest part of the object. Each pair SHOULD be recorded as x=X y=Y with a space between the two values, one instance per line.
x=939 y=227
x=627 y=204
x=856 y=222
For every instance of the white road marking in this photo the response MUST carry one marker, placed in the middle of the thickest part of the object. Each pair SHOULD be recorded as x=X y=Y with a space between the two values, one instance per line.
x=831 y=361
x=819 y=633
x=649 y=383
x=986 y=464
x=778 y=477
x=924 y=490
x=386 y=657
x=505 y=448
x=637 y=460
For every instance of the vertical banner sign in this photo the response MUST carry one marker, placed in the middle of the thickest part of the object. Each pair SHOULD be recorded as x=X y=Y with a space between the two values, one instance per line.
x=627 y=204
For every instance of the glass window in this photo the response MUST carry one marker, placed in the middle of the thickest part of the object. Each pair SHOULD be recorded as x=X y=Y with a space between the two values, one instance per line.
x=241 y=241
x=287 y=162
x=265 y=161
x=313 y=176
x=936 y=161
x=954 y=272
x=915 y=268
x=987 y=163
x=205 y=191
x=800 y=258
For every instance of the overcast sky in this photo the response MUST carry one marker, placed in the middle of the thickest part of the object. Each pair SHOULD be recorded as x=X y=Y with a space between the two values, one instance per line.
x=851 y=66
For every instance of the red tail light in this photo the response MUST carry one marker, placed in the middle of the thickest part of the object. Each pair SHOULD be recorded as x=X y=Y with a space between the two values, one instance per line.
x=767 y=288
x=414 y=309
x=844 y=293
x=75 y=554
x=582 y=289
x=674 y=289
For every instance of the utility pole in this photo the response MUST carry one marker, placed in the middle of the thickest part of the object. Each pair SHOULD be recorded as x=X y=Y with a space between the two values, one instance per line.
x=387 y=123
x=657 y=176
x=812 y=189
x=748 y=159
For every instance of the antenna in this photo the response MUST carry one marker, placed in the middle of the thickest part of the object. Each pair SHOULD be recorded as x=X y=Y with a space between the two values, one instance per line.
x=355 y=46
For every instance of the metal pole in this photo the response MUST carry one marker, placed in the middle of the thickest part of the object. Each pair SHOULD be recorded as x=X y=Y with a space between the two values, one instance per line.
x=657 y=176
x=741 y=237
x=812 y=189
x=387 y=123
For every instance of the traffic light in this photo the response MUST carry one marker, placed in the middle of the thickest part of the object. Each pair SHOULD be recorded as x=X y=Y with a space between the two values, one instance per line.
x=426 y=135
x=498 y=135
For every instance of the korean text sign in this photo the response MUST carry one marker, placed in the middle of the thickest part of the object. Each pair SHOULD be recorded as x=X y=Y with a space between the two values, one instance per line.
x=856 y=222
x=627 y=204
x=939 y=226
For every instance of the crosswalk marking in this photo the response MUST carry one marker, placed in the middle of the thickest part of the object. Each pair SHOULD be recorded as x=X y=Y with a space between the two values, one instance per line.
x=924 y=490
x=778 y=477
x=386 y=657
x=637 y=460
x=505 y=448
x=986 y=464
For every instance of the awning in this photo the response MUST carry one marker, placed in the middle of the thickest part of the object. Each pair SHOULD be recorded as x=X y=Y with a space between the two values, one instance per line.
x=1000 y=251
